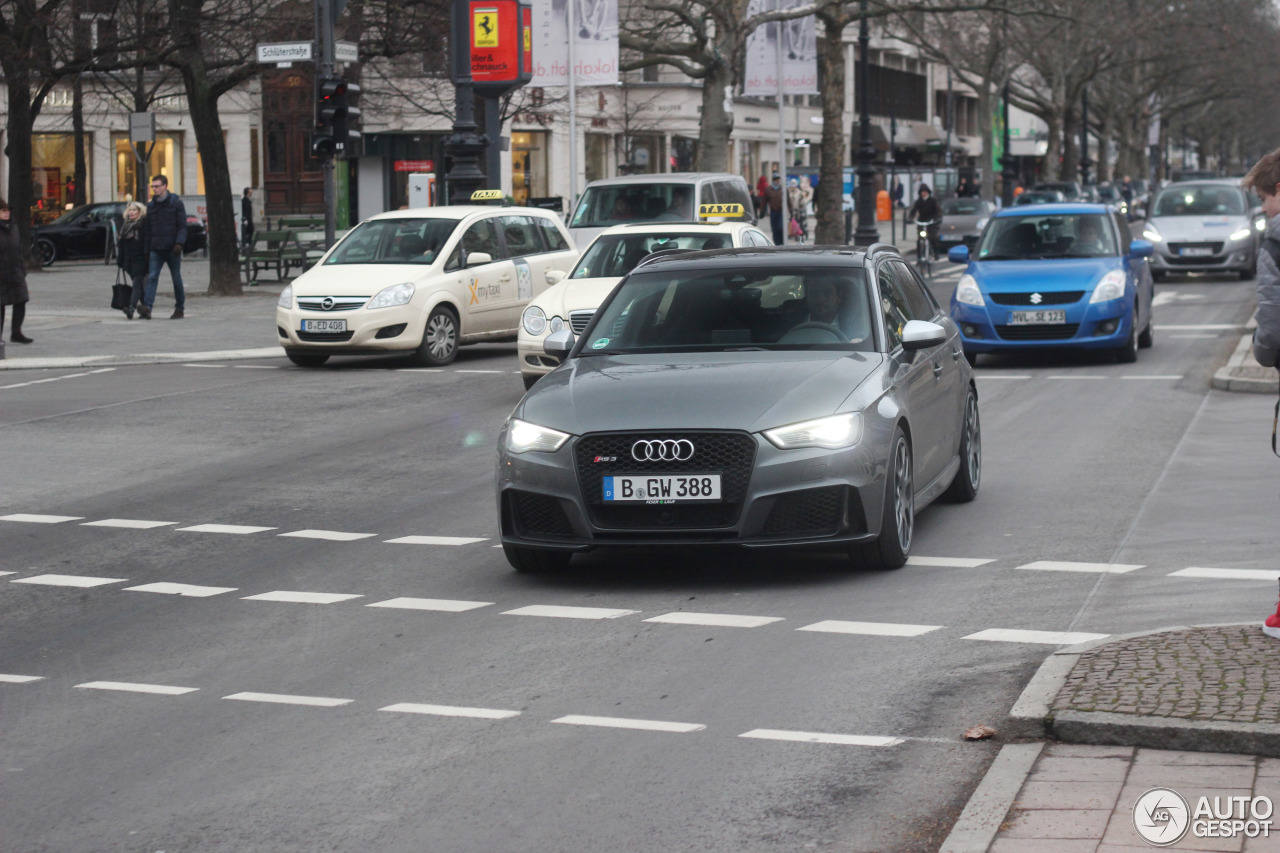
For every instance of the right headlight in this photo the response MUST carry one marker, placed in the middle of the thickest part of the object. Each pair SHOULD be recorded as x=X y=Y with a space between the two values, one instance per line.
x=833 y=433
x=523 y=437
x=396 y=294
x=967 y=291
x=286 y=297
x=534 y=320
x=1150 y=233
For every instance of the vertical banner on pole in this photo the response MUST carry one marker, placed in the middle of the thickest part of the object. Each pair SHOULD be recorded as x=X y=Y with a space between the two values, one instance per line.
x=794 y=42
x=595 y=42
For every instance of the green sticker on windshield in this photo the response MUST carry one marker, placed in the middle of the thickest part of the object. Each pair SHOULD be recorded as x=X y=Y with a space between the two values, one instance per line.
x=600 y=343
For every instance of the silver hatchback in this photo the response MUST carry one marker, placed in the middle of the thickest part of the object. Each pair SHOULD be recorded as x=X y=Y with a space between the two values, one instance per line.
x=1202 y=226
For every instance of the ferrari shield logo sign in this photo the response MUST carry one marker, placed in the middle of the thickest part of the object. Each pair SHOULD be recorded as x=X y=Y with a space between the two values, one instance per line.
x=484 y=25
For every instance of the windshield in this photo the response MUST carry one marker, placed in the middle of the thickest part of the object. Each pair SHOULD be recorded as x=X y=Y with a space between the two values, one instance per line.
x=394 y=241
x=1056 y=235
x=963 y=207
x=735 y=310
x=609 y=205
x=1199 y=201
x=615 y=255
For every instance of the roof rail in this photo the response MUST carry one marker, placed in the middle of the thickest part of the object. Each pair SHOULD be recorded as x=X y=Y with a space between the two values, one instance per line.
x=876 y=248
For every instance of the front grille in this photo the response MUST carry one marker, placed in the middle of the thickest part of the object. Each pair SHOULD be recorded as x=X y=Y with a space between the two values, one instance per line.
x=1046 y=332
x=1065 y=297
x=340 y=303
x=326 y=337
x=578 y=320
x=730 y=454
x=1176 y=248
x=810 y=512
x=538 y=516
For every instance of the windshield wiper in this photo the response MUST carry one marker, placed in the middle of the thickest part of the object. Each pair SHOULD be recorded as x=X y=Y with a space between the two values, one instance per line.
x=745 y=349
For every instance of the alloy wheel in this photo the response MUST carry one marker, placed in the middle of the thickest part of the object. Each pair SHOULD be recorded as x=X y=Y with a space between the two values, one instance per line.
x=974 y=430
x=442 y=335
x=903 y=494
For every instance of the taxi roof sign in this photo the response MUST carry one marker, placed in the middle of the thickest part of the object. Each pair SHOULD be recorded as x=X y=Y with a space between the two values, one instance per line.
x=729 y=210
x=486 y=195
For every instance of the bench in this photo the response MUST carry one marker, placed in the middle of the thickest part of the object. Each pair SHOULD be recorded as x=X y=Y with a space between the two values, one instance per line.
x=300 y=221
x=268 y=253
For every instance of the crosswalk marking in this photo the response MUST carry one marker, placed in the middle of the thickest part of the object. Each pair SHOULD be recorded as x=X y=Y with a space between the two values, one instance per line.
x=1228 y=574
x=435 y=540
x=1048 y=638
x=302 y=597
x=130 y=687
x=31 y=518
x=1103 y=568
x=820 y=737
x=880 y=629
x=624 y=723
x=451 y=711
x=238 y=529
x=948 y=562
x=184 y=589
x=69 y=580
x=562 y=612
x=331 y=535
x=443 y=604
x=19 y=679
x=715 y=620
x=128 y=523
x=288 y=699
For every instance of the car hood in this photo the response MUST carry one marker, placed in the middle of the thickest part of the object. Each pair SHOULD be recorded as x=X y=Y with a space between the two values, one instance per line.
x=355 y=279
x=578 y=294
x=965 y=222
x=749 y=391
x=1050 y=276
x=1193 y=228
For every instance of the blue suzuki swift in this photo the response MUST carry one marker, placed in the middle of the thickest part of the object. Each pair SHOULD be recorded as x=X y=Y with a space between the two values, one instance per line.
x=1055 y=275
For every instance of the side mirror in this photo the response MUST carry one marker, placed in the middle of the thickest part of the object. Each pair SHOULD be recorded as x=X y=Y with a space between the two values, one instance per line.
x=921 y=334
x=1141 y=248
x=476 y=259
x=554 y=276
x=958 y=255
x=558 y=344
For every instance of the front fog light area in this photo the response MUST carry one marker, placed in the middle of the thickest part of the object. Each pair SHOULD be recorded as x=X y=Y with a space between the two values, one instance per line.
x=833 y=433
x=523 y=437
x=396 y=294
x=1106 y=327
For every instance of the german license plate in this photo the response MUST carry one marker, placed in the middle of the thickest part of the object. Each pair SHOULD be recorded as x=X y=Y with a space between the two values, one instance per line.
x=324 y=325
x=663 y=489
x=1035 y=318
x=1195 y=252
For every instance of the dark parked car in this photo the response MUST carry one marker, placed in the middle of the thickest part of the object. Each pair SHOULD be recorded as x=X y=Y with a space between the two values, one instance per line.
x=85 y=232
x=1040 y=197
x=1070 y=190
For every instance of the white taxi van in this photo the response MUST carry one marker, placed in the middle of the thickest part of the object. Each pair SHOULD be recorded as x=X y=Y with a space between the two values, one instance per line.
x=613 y=254
x=423 y=282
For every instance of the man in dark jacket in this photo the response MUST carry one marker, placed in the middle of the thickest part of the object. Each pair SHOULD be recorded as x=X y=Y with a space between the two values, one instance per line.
x=166 y=225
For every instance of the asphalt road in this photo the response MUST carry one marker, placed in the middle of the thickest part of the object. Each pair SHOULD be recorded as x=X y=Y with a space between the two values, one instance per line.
x=332 y=714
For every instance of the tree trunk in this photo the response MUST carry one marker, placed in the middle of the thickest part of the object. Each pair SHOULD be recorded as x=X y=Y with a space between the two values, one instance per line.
x=717 y=123
x=1052 y=165
x=19 y=149
x=77 y=139
x=1070 y=143
x=828 y=202
x=224 y=252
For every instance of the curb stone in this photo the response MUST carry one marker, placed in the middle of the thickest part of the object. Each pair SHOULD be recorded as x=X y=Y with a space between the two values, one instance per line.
x=1242 y=373
x=978 y=824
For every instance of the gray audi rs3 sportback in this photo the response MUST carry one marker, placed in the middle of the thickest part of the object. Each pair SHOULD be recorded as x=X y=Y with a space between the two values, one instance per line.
x=755 y=397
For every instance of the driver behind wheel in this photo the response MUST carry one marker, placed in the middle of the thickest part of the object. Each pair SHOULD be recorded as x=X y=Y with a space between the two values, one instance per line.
x=823 y=296
x=833 y=311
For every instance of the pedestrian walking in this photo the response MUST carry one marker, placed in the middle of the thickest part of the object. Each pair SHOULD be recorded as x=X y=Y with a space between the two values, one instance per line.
x=773 y=200
x=133 y=255
x=762 y=193
x=13 y=276
x=166 y=227
x=246 y=218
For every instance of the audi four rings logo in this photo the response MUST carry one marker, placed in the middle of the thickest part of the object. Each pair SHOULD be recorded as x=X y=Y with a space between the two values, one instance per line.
x=666 y=450
x=327 y=303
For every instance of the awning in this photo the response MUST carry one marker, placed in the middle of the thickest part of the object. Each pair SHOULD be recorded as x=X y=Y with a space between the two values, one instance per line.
x=1028 y=147
x=928 y=134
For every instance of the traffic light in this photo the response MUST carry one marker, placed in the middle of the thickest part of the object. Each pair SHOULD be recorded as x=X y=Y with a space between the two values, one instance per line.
x=346 y=121
x=329 y=95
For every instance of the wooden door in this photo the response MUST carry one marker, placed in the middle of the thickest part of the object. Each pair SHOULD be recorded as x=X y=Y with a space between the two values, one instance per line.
x=294 y=180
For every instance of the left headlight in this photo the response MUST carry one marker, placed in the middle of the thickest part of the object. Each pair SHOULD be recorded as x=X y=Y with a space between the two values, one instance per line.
x=981 y=223
x=286 y=297
x=834 y=432
x=523 y=437
x=389 y=297
x=1150 y=233
x=1242 y=234
x=968 y=292
x=1110 y=287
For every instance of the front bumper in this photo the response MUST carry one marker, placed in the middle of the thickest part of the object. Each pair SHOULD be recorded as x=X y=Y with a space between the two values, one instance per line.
x=533 y=361
x=795 y=497
x=1100 y=325
x=1227 y=256
x=396 y=329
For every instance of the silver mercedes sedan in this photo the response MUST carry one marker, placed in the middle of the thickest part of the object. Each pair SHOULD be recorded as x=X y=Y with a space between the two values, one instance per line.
x=755 y=397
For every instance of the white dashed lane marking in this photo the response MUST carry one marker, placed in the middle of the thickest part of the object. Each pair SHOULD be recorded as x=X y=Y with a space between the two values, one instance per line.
x=716 y=620
x=1171 y=377
x=69 y=580
x=1269 y=575
x=287 y=699
x=302 y=597
x=1048 y=638
x=30 y=518
x=435 y=540
x=19 y=679
x=1076 y=376
x=561 y=612
x=879 y=629
x=442 y=604
x=186 y=589
x=451 y=711
x=819 y=737
x=331 y=535
x=1101 y=568
x=623 y=723
x=238 y=529
x=58 y=378
x=129 y=687
x=948 y=562
x=1001 y=376
x=129 y=523
x=479 y=371
x=7 y=573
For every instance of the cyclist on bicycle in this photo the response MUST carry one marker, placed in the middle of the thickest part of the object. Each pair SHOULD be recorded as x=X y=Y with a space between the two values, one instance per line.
x=926 y=209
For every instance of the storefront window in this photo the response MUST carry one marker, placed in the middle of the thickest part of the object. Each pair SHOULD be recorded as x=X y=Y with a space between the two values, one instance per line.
x=528 y=165
x=165 y=159
x=53 y=169
x=598 y=148
x=683 y=153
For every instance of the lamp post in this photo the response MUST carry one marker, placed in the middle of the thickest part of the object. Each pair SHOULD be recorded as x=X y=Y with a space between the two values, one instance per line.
x=464 y=146
x=1085 y=162
x=867 y=232
x=1008 y=175
x=893 y=177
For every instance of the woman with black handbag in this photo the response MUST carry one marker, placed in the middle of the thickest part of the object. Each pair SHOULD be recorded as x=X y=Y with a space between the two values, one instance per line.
x=132 y=252
x=13 y=276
